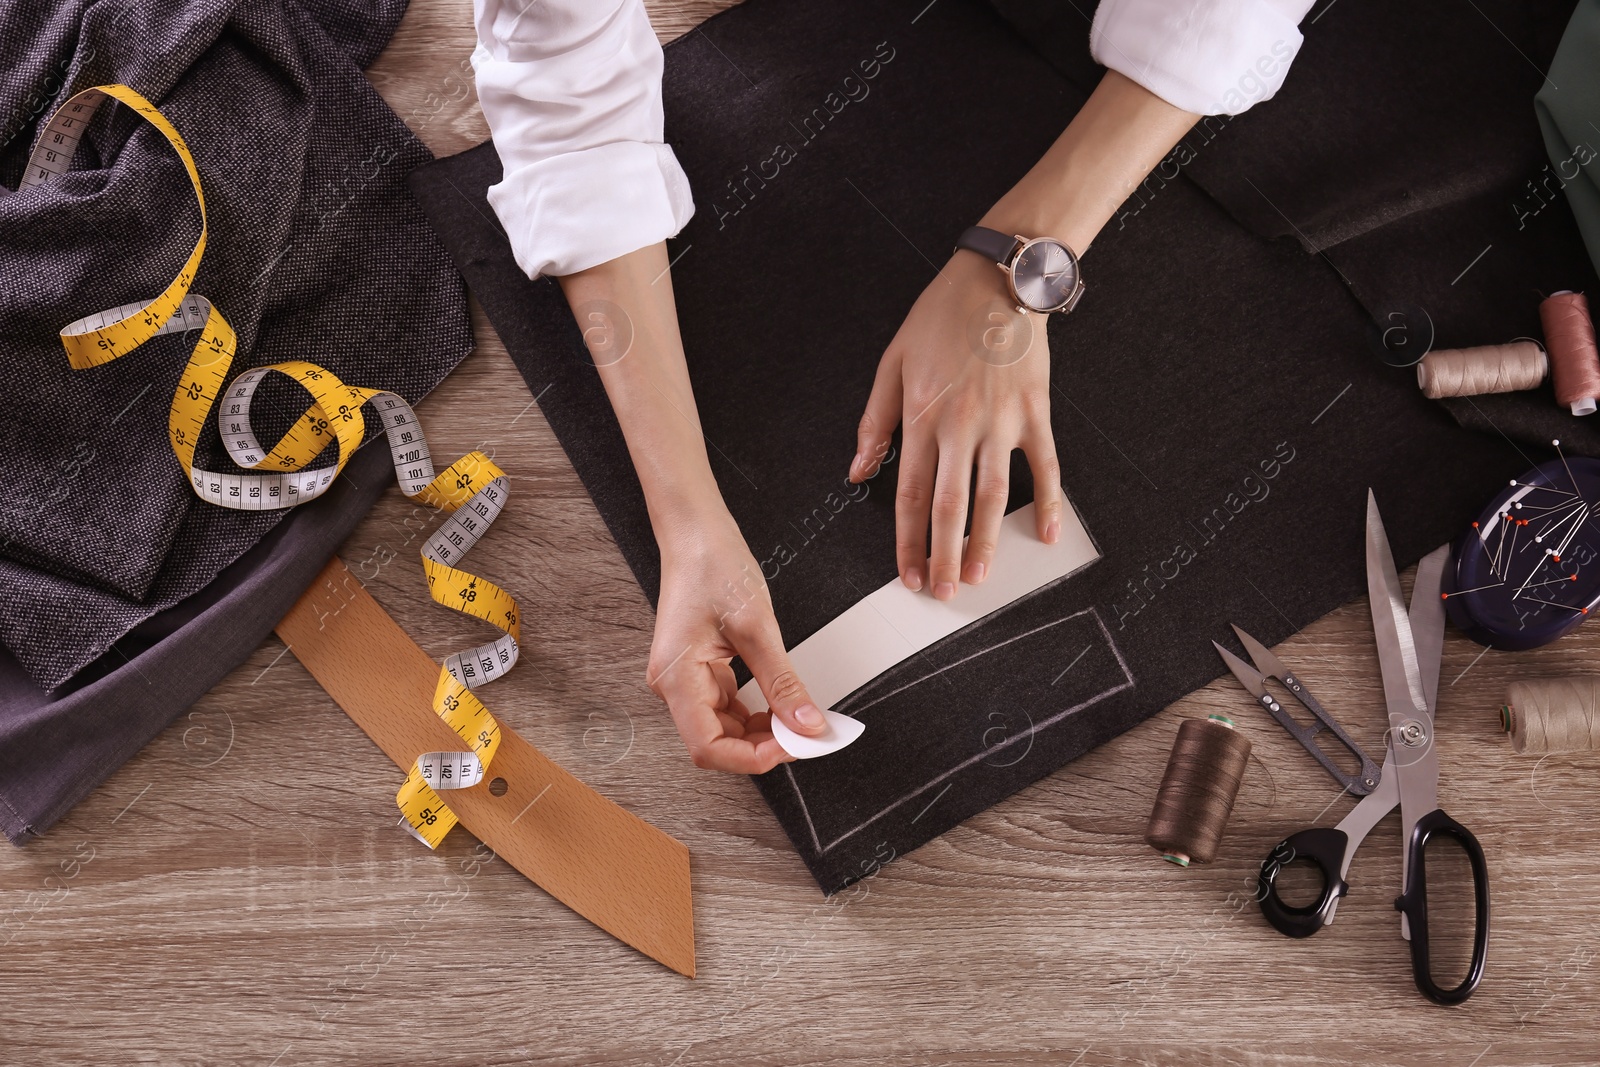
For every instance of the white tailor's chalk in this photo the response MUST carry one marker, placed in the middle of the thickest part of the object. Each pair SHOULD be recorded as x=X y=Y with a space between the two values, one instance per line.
x=842 y=730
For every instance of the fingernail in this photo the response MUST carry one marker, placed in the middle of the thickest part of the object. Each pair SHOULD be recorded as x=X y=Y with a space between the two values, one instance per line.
x=913 y=579
x=856 y=462
x=1052 y=532
x=975 y=573
x=944 y=590
x=808 y=716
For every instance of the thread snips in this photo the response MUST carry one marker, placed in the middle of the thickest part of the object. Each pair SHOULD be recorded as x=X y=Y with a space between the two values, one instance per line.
x=1254 y=679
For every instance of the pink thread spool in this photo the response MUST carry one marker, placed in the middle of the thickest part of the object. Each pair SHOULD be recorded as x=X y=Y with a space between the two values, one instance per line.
x=1574 y=357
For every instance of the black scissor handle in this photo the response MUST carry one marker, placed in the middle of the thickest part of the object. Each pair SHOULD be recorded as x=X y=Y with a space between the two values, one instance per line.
x=1324 y=847
x=1414 y=903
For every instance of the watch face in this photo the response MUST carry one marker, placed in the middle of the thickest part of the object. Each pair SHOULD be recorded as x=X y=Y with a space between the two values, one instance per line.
x=1044 y=275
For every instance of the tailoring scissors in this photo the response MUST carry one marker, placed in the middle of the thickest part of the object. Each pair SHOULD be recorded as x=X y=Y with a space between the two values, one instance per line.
x=1409 y=647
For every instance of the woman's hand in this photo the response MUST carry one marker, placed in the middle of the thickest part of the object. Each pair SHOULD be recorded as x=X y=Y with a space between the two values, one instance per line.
x=967 y=377
x=714 y=605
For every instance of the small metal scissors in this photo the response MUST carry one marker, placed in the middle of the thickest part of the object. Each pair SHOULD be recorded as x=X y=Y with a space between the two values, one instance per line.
x=1409 y=647
x=1254 y=679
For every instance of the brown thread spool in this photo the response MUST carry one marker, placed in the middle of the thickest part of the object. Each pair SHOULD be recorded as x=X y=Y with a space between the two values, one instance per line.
x=1574 y=357
x=1507 y=368
x=1197 y=791
x=1553 y=714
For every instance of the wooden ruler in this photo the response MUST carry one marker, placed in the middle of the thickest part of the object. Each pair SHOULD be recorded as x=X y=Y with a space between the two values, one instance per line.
x=603 y=862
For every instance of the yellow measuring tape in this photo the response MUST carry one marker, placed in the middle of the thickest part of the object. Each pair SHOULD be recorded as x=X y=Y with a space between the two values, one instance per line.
x=472 y=491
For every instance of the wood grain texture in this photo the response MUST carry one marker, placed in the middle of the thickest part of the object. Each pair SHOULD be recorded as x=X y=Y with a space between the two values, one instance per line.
x=175 y=918
x=600 y=860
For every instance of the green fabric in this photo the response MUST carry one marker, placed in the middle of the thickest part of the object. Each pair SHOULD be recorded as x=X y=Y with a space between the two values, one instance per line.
x=1569 y=115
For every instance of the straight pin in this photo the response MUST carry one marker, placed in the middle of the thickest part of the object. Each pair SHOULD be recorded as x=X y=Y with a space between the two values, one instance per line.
x=1533 y=570
x=1485 y=548
x=1557 y=523
x=1546 y=488
x=1558 y=581
x=1575 y=490
x=1552 y=603
x=1574 y=531
x=1475 y=589
x=1499 y=544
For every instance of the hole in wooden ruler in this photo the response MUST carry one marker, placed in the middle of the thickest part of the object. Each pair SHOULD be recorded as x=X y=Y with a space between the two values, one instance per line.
x=498 y=787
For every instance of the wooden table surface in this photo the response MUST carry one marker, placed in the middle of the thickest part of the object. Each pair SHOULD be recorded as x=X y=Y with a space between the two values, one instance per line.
x=178 y=916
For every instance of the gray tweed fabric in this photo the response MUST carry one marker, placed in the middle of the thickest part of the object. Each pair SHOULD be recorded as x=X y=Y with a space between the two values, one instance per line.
x=316 y=251
x=55 y=749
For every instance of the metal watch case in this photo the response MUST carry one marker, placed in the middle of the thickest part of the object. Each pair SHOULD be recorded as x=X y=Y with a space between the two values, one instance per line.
x=1033 y=285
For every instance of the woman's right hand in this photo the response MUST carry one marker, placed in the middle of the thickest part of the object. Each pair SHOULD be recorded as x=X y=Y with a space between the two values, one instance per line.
x=714 y=605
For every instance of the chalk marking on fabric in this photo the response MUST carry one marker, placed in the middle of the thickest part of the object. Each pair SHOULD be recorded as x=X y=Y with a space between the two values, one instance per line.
x=1043 y=724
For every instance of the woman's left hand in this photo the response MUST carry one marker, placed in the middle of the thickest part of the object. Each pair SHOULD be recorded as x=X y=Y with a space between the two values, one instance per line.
x=968 y=376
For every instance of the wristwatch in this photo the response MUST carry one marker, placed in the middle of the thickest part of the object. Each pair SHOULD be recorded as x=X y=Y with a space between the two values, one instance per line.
x=1044 y=273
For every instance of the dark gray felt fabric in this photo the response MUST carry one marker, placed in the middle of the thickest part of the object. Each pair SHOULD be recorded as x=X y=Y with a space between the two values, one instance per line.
x=316 y=251
x=1218 y=408
x=1404 y=150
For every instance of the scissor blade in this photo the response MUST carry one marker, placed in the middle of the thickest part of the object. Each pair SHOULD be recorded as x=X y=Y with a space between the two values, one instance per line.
x=1267 y=663
x=1391 y=625
x=1248 y=676
x=1427 y=620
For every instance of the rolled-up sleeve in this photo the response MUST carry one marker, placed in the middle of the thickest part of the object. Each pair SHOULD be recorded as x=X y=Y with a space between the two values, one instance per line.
x=571 y=90
x=1211 y=57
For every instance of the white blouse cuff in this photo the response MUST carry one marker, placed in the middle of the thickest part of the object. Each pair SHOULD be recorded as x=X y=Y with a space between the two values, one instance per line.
x=572 y=211
x=1211 y=57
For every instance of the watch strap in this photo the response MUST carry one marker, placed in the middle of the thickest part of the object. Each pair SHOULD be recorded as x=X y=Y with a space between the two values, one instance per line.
x=991 y=244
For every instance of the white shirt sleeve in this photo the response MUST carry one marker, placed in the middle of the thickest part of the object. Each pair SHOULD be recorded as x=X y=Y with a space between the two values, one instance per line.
x=1212 y=57
x=571 y=90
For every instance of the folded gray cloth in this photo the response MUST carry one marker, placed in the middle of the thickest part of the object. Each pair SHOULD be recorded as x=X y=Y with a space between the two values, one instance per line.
x=1569 y=116
x=55 y=751
x=316 y=251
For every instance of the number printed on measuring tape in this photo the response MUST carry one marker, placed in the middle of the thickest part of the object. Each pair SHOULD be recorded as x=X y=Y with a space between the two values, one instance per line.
x=471 y=491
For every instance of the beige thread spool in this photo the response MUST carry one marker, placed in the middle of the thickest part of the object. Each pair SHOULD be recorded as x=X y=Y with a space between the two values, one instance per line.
x=1553 y=714
x=1197 y=791
x=1507 y=368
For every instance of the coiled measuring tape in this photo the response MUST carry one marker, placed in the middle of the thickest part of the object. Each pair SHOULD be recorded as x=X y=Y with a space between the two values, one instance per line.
x=471 y=491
